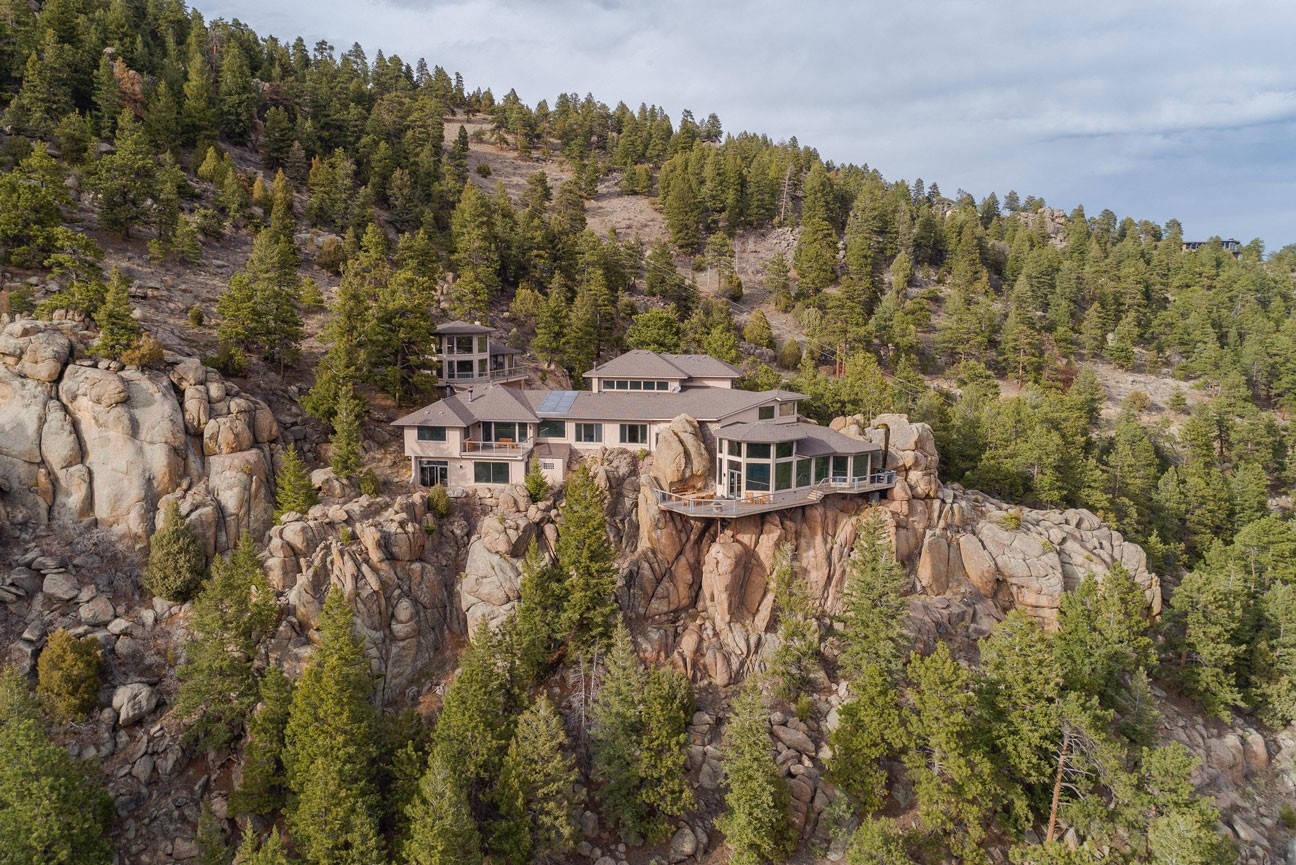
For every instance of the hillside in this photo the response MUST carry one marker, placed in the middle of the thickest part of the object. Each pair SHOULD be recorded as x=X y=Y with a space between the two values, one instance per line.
x=1062 y=636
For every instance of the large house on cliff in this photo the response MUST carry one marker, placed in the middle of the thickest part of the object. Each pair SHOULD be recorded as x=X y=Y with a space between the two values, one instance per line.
x=766 y=456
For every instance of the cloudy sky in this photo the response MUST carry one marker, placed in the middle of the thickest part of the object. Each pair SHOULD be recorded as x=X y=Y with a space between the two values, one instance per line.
x=1155 y=109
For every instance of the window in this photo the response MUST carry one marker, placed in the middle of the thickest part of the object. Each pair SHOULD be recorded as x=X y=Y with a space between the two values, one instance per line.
x=483 y=342
x=636 y=385
x=460 y=345
x=787 y=409
x=589 y=433
x=783 y=450
x=552 y=429
x=821 y=469
x=431 y=434
x=758 y=477
x=461 y=369
x=758 y=451
x=500 y=431
x=859 y=466
x=483 y=367
x=765 y=412
x=735 y=449
x=803 y=473
x=490 y=473
x=840 y=467
x=634 y=433
x=783 y=476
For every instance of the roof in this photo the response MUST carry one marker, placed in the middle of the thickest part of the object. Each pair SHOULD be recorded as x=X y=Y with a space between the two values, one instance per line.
x=699 y=403
x=553 y=451
x=501 y=348
x=814 y=440
x=461 y=327
x=494 y=402
x=642 y=363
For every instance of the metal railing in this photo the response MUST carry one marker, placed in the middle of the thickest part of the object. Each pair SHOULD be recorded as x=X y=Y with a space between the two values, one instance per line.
x=475 y=378
x=704 y=505
x=500 y=449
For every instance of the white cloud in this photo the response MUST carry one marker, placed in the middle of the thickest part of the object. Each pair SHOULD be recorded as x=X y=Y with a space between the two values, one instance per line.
x=1165 y=108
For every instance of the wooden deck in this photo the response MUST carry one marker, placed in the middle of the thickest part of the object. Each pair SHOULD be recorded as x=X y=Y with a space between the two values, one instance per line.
x=706 y=505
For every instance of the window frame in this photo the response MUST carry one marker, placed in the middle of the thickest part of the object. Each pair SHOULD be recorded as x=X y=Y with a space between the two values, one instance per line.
x=582 y=429
x=641 y=437
x=431 y=434
x=541 y=432
x=493 y=467
x=765 y=412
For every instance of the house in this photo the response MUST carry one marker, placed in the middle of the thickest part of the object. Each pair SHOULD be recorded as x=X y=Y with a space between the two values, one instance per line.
x=1231 y=246
x=468 y=356
x=767 y=458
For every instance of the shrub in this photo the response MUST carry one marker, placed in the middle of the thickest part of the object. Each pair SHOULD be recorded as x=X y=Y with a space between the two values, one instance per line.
x=537 y=486
x=438 y=502
x=369 y=485
x=483 y=170
x=197 y=318
x=1287 y=816
x=789 y=355
x=803 y=707
x=210 y=224
x=345 y=536
x=68 y=675
x=1177 y=402
x=1011 y=520
x=147 y=351
x=229 y=360
x=176 y=564
x=293 y=488
x=332 y=255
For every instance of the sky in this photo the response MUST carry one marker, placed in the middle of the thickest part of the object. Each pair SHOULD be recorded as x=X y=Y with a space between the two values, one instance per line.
x=1154 y=109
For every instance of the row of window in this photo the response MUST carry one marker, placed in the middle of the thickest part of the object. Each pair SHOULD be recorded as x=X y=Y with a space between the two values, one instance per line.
x=585 y=433
x=634 y=384
x=465 y=344
x=790 y=474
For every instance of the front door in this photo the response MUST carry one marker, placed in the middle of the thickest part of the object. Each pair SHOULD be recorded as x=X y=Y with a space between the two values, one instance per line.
x=734 y=485
x=434 y=473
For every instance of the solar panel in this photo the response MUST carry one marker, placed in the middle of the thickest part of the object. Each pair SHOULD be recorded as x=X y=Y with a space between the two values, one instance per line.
x=558 y=402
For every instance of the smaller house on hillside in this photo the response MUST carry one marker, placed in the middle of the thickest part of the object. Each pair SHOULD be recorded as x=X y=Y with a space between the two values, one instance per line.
x=1231 y=246
x=469 y=356
x=767 y=458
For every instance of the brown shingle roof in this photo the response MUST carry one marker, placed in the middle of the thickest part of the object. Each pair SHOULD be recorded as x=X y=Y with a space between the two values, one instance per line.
x=494 y=402
x=453 y=328
x=813 y=440
x=700 y=403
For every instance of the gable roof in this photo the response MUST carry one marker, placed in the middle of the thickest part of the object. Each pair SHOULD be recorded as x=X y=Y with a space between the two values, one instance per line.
x=812 y=439
x=642 y=363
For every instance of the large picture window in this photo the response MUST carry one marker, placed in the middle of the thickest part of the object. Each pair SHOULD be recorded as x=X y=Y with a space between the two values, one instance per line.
x=552 y=429
x=431 y=434
x=758 y=477
x=634 y=433
x=803 y=473
x=859 y=466
x=589 y=433
x=783 y=476
x=490 y=473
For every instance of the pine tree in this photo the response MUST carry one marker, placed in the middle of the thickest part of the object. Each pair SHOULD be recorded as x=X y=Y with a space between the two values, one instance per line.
x=262 y=790
x=237 y=96
x=329 y=747
x=535 y=790
x=125 y=181
x=1102 y=634
x=442 y=829
x=588 y=562
x=954 y=781
x=757 y=330
x=269 y=852
x=68 y=675
x=53 y=807
x=344 y=446
x=212 y=838
x=293 y=489
x=108 y=101
x=277 y=138
x=176 y=563
x=815 y=258
x=234 y=613
x=197 y=118
x=683 y=215
x=867 y=733
x=118 y=330
x=755 y=821
x=474 y=727
x=796 y=660
x=873 y=609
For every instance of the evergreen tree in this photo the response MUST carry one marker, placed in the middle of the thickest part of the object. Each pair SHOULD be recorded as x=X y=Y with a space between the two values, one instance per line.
x=176 y=563
x=815 y=259
x=259 y=307
x=108 y=101
x=873 y=609
x=757 y=330
x=588 y=562
x=954 y=781
x=234 y=613
x=262 y=790
x=1102 y=634
x=119 y=332
x=68 y=674
x=474 y=727
x=683 y=214
x=755 y=821
x=293 y=488
x=269 y=852
x=53 y=808
x=796 y=659
x=442 y=829
x=654 y=330
x=537 y=808
x=212 y=838
x=329 y=747
x=237 y=96
x=125 y=180
x=344 y=446
x=198 y=115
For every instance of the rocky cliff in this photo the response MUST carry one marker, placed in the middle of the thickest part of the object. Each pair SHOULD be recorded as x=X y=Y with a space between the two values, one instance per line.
x=87 y=442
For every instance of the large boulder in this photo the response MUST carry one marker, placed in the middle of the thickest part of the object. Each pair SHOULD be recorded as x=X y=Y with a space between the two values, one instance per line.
x=681 y=459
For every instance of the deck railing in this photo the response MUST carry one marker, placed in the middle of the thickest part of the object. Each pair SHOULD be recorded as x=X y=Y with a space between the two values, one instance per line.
x=477 y=378
x=499 y=449
x=704 y=505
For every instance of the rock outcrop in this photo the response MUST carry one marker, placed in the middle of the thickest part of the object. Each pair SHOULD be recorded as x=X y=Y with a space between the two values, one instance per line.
x=700 y=587
x=95 y=442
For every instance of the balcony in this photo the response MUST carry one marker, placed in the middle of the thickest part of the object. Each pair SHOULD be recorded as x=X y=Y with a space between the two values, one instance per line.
x=707 y=505
x=501 y=449
x=465 y=380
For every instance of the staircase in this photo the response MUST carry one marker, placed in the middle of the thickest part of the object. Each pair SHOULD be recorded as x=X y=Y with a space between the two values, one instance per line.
x=815 y=496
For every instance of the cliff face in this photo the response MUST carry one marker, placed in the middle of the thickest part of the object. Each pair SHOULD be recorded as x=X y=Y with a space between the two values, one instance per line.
x=85 y=442
x=700 y=587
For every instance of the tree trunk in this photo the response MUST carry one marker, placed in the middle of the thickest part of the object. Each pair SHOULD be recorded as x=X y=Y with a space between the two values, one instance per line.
x=1057 y=788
